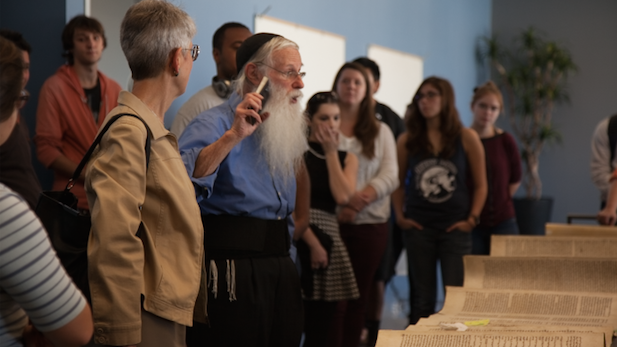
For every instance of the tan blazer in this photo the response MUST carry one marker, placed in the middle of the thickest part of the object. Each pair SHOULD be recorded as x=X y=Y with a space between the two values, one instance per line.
x=159 y=265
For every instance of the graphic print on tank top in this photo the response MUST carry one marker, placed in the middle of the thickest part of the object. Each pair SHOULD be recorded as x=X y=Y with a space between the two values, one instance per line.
x=436 y=179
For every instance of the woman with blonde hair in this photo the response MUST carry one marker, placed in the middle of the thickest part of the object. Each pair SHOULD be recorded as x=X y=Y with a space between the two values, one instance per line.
x=434 y=207
x=145 y=252
x=503 y=169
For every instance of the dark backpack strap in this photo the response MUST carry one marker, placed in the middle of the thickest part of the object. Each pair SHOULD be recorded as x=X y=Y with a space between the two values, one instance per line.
x=96 y=142
x=612 y=137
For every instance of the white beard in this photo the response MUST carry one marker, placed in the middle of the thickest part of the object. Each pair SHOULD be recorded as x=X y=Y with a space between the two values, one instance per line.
x=282 y=137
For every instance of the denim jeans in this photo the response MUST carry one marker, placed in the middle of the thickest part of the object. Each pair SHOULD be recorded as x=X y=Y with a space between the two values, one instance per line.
x=424 y=248
x=481 y=237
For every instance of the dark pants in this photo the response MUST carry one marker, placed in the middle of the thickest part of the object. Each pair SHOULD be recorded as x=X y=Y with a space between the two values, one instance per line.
x=268 y=306
x=268 y=309
x=365 y=244
x=394 y=248
x=424 y=248
x=318 y=317
x=481 y=237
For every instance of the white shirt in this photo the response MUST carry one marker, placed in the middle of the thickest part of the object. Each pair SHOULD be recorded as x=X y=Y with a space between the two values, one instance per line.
x=380 y=172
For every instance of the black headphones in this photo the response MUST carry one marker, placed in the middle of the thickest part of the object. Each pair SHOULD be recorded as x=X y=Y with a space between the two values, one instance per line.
x=221 y=87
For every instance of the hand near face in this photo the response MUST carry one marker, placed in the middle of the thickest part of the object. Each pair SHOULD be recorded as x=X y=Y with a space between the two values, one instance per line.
x=246 y=112
x=327 y=137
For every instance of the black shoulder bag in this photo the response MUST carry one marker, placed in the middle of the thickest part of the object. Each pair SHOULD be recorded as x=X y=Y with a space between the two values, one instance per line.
x=69 y=228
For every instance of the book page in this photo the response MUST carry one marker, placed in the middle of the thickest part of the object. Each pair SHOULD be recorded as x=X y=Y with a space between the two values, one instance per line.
x=556 y=229
x=437 y=324
x=404 y=338
x=556 y=246
x=557 y=306
x=542 y=274
x=516 y=308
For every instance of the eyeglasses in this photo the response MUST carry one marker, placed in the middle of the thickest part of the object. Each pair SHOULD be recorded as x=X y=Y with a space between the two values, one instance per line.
x=24 y=96
x=289 y=74
x=194 y=51
x=429 y=95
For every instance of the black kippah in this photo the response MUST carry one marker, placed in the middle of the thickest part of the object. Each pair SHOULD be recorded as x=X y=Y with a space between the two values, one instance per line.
x=250 y=46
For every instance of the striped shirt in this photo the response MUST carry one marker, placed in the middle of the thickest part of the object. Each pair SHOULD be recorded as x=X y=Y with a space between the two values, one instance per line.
x=33 y=284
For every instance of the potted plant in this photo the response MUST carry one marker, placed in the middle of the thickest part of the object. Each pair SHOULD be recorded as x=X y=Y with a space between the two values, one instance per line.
x=533 y=75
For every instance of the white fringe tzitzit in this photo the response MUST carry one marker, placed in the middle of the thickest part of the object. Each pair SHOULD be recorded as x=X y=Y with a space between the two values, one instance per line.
x=213 y=279
x=230 y=277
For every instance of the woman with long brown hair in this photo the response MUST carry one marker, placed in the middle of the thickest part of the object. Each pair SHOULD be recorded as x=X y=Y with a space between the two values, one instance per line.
x=437 y=156
x=363 y=220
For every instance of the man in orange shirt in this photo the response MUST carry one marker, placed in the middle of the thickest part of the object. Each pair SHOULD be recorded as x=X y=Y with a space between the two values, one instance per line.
x=73 y=103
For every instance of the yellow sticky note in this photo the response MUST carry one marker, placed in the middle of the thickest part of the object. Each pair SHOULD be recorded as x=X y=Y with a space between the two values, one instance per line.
x=477 y=322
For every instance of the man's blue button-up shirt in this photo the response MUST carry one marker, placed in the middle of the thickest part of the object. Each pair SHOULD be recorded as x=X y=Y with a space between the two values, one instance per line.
x=242 y=184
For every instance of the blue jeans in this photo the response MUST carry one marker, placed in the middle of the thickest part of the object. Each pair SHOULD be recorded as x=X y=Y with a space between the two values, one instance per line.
x=482 y=236
x=424 y=248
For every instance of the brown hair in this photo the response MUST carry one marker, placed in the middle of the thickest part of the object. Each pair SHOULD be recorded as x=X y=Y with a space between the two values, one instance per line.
x=320 y=98
x=367 y=126
x=11 y=74
x=485 y=89
x=84 y=23
x=450 y=123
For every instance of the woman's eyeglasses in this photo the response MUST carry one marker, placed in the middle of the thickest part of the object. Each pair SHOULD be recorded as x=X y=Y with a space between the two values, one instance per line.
x=194 y=51
x=429 y=95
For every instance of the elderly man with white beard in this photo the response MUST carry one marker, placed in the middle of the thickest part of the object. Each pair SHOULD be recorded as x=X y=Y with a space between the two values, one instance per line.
x=242 y=159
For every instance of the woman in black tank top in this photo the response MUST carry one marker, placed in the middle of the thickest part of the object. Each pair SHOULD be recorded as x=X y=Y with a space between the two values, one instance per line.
x=434 y=204
x=327 y=276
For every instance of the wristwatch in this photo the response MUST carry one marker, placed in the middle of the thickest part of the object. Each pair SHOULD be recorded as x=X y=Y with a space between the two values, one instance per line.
x=476 y=219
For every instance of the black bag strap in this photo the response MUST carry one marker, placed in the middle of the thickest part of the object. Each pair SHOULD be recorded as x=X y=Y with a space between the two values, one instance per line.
x=612 y=137
x=96 y=142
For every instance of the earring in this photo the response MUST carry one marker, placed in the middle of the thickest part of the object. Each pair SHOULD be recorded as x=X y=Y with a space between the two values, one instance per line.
x=176 y=73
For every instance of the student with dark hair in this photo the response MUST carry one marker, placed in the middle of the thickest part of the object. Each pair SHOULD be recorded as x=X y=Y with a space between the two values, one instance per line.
x=503 y=169
x=21 y=43
x=225 y=42
x=73 y=103
x=364 y=219
x=326 y=279
x=436 y=209
x=16 y=170
x=33 y=283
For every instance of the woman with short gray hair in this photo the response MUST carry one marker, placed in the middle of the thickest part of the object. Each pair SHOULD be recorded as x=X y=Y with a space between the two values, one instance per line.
x=145 y=250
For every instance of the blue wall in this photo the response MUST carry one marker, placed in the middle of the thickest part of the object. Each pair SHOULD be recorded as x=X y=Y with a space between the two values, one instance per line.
x=443 y=32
